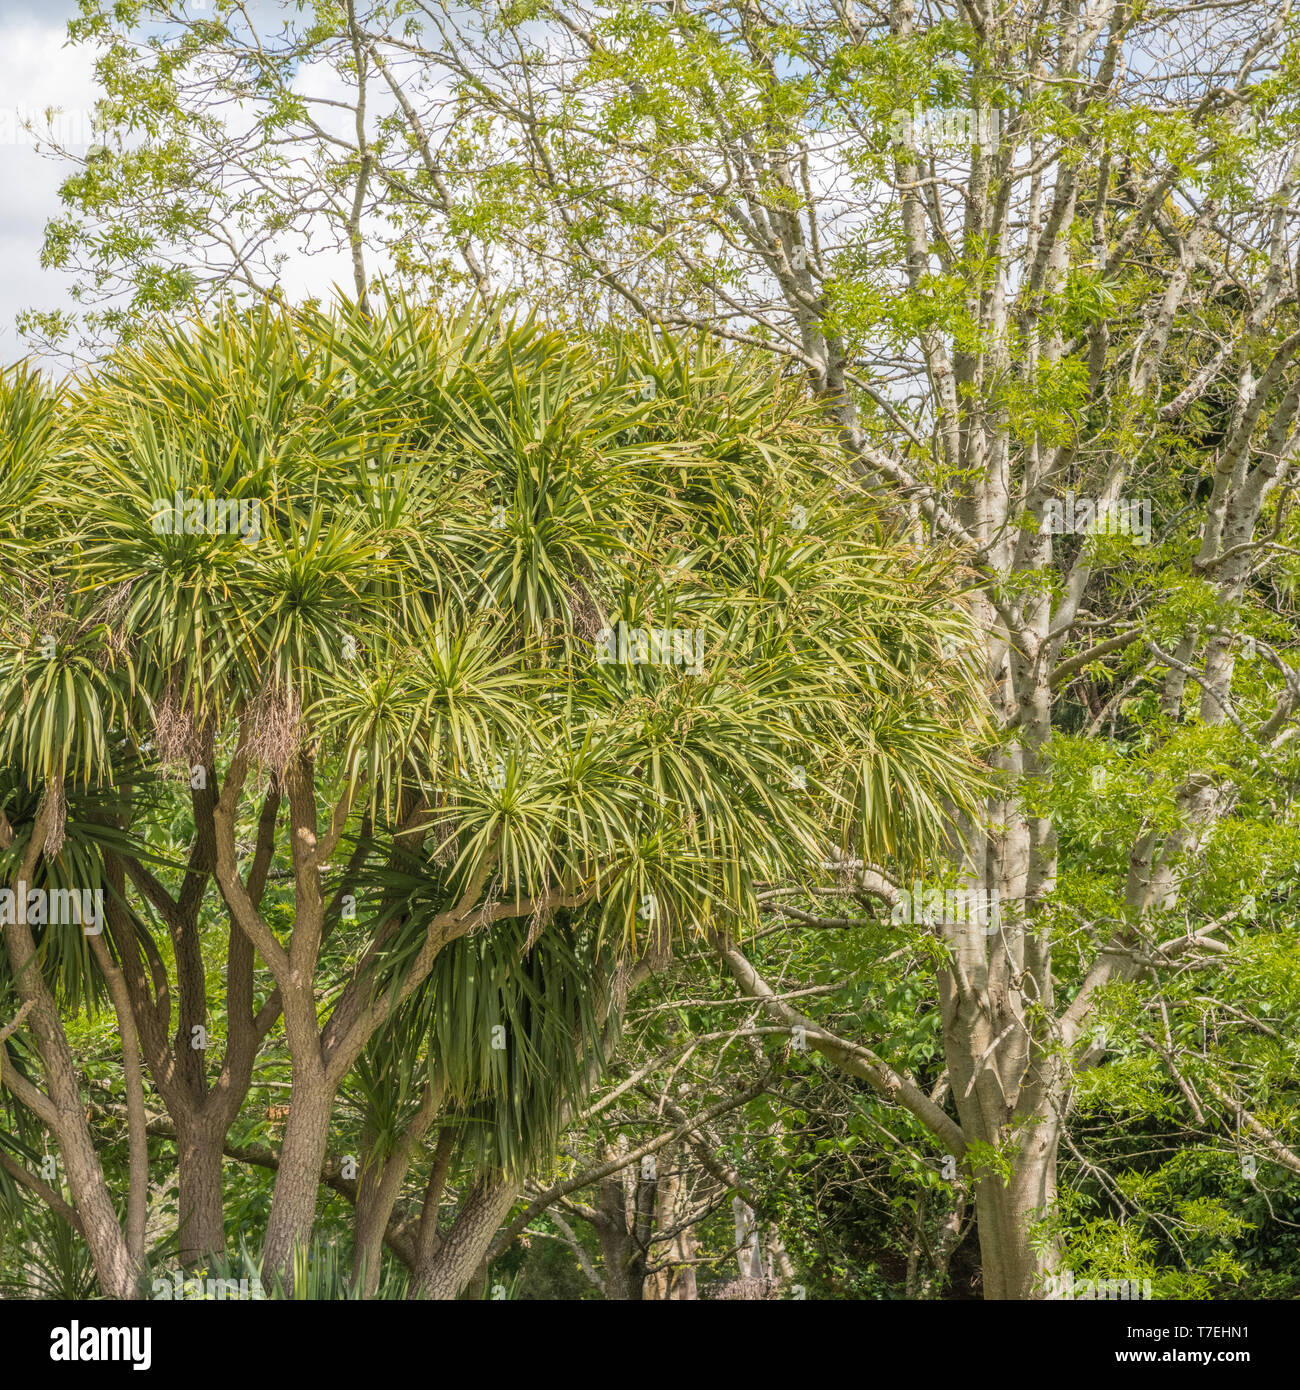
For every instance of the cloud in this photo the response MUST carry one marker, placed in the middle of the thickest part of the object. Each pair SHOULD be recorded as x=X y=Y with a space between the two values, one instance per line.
x=40 y=70
x=37 y=70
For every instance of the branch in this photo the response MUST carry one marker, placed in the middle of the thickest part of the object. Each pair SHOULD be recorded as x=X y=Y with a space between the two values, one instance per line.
x=616 y=1165
x=46 y=1193
x=849 y=1057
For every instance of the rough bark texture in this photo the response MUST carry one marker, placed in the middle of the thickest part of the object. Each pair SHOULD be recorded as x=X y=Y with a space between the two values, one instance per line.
x=61 y=1105
x=297 y=1180
x=460 y=1252
x=200 y=1193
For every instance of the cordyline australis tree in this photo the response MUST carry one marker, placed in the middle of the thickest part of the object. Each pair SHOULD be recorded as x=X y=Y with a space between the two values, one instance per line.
x=303 y=650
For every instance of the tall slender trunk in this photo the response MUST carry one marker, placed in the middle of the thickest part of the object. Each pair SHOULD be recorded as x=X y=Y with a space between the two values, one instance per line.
x=61 y=1105
x=116 y=1271
x=373 y=1209
x=297 y=1182
x=749 y=1257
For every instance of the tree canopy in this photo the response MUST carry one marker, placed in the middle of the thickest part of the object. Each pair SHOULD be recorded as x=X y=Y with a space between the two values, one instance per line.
x=733 y=703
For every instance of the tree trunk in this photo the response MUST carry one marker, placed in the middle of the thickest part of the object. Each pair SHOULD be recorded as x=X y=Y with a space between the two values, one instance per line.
x=198 y=1177
x=749 y=1257
x=624 y=1258
x=61 y=1106
x=458 y=1255
x=676 y=1280
x=297 y=1182
x=624 y=1266
x=116 y=1272
x=1012 y=1265
x=374 y=1207
x=380 y=1185
x=928 y=1257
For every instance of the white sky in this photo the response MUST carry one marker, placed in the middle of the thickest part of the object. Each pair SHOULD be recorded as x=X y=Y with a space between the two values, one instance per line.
x=38 y=70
